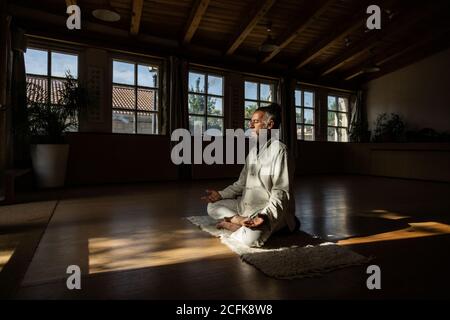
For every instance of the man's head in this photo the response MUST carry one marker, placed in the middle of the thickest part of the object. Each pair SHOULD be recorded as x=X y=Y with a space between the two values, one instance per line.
x=268 y=117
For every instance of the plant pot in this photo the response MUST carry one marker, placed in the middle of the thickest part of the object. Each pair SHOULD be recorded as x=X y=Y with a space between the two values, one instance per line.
x=50 y=164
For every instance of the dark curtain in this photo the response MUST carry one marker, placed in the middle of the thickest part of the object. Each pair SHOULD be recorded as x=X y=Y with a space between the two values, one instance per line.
x=358 y=129
x=288 y=125
x=178 y=114
x=21 y=145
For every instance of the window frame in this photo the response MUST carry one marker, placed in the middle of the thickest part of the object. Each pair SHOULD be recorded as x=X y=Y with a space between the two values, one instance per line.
x=136 y=61
x=336 y=96
x=206 y=94
x=259 y=81
x=302 y=107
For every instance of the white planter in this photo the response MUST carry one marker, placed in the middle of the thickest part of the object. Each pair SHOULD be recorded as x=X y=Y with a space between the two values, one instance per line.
x=50 y=164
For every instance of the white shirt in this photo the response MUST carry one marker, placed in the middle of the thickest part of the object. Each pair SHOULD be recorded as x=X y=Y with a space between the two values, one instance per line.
x=265 y=186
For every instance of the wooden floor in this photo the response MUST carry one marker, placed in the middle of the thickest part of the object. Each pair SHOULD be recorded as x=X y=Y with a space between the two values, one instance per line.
x=132 y=243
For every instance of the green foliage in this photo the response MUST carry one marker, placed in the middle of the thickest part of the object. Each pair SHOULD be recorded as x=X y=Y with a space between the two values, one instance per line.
x=389 y=128
x=48 y=122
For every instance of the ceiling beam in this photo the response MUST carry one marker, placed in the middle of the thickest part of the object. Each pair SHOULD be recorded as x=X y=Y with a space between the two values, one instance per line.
x=197 y=12
x=294 y=32
x=247 y=26
x=402 y=22
x=136 y=13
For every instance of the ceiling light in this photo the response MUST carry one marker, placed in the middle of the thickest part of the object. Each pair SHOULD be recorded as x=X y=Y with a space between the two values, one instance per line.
x=106 y=13
x=269 y=44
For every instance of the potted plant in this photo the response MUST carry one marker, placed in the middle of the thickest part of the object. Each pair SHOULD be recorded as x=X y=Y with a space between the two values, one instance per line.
x=48 y=121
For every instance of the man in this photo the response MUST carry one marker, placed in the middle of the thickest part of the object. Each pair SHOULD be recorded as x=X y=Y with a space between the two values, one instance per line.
x=260 y=202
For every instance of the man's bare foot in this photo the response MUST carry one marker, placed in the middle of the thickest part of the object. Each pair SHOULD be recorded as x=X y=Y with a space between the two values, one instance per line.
x=227 y=225
x=237 y=219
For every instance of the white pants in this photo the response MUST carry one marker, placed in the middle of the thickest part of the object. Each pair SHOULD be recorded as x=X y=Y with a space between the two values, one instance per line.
x=228 y=208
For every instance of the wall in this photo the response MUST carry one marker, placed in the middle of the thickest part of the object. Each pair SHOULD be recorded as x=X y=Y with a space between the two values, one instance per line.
x=419 y=92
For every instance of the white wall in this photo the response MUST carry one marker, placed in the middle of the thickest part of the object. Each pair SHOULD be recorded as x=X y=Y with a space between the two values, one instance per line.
x=419 y=92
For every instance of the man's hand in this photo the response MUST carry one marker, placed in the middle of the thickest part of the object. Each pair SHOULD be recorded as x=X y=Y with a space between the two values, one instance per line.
x=212 y=196
x=255 y=222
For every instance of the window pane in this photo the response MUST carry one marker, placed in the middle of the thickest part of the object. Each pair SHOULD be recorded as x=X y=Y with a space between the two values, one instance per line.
x=246 y=124
x=309 y=116
x=64 y=63
x=215 y=85
x=251 y=90
x=309 y=99
x=309 y=133
x=215 y=123
x=147 y=123
x=215 y=106
x=250 y=107
x=299 y=131
x=36 y=62
x=298 y=112
x=37 y=89
x=298 y=98
x=123 y=97
x=56 y=91
x=342 y=120
x=196 y=124
x=196 y=82
x=123 y=121
x=332 y=103
x=146 y=99
x=123 y=72
x=342 y=132
x=332 y=134
x=147 y=76
x=343 y=104
x=266 y=92
x=332 y=119
x=196 y=104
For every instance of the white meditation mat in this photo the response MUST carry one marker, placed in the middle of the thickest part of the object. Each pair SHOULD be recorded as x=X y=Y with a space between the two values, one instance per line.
x=292 y=256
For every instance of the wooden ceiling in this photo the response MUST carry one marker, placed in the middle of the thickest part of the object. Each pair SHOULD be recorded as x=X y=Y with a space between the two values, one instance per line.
x=324 y=41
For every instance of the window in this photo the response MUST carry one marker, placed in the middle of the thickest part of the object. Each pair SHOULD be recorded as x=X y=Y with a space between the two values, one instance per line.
x=257 y=94
x=304 y=110
x=337 y=119
x=135 y=102
x=46 y=71
x=205 y=103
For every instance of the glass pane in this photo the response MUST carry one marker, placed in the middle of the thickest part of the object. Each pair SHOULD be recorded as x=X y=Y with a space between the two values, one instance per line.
x=298 y=97
x=123 y=122
x=343 y=137
x=196 y=82
x=146 y=99
x=196 y=104
x=309 y=116
x=147 y=123
x=37 y=89
x=298 y=113
x=246 y=124
x=36 y=62
x=196 y=123
x=250 y=107
x=215 y=85
x=214 y=123
x=332 y=103
x=123 y=97
x=332 y=134
x=343 y=104
x=266 y=92
x=299 y=132
x=62 y=64
x=342 y=120
x=309 y=99
x=123 y=72
x=251 y=90
x=332 y=119
x=215 y=106
x=147 y=76
x=309 y=133
x=56 y=96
